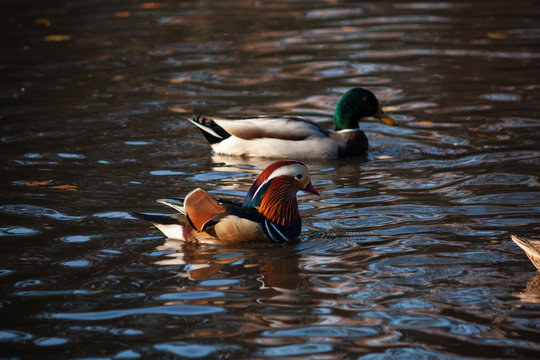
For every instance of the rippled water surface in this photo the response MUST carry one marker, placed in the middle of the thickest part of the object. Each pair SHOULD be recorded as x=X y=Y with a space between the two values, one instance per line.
x=406 y=253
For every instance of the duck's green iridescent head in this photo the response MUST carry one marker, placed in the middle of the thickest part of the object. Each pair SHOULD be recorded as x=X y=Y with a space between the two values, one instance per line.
x=356 y=104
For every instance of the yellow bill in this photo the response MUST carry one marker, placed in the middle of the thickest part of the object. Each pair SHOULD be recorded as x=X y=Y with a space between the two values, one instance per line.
x=384 y=118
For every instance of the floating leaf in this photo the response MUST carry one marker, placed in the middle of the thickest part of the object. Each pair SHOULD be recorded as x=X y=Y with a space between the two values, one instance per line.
x=65 y=187
x=427 y=123
x=122 y=14
x=39 y=183
x=152 y=5
x=496 y=36
x=179 y=110
x=45 y=22
x=180 y=80
x=57 y=38
x=118 y=77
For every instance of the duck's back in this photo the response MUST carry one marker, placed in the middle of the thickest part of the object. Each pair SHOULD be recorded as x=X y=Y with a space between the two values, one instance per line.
x=286 y=128
x=285 y=137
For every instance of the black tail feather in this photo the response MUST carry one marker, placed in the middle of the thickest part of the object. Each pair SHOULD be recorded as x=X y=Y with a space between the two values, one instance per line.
x=156 y=219
x=205 y=123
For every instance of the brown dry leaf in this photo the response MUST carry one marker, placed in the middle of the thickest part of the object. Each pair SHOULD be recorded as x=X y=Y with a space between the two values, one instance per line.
x=57 y=37
x=118 y=77
x=122 y=14
x=45 y=22
x=152 y=5
x=65 y=187
x=179 y=110
x=496 y=36
x=39 y=183
x=427 y=123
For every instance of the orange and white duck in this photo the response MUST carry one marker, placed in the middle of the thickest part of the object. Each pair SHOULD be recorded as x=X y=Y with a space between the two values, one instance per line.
x=269 y=212
x=296 y=137
x=531 y=248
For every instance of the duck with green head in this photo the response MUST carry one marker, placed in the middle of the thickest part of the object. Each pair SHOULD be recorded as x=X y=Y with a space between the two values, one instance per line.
x=296 y=137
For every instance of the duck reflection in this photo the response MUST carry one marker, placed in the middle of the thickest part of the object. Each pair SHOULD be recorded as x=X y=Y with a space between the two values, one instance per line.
x=275 y=268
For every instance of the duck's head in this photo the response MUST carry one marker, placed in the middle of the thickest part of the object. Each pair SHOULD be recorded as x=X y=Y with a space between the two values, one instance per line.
x=356 y=104
x=282 y=178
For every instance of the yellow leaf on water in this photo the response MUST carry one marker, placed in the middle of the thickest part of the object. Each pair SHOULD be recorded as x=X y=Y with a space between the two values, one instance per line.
x=428 y=123
x=65 y=187
x=45 y=22
x=179 y=110
x=39 y=183
x=57 y=38
x=496 y=36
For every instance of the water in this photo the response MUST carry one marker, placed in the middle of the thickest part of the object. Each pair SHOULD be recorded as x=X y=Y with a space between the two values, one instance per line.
x=406 y=254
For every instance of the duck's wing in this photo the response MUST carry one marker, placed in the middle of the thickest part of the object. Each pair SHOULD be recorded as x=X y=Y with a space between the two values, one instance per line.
x=531 y=248
x=284 y=128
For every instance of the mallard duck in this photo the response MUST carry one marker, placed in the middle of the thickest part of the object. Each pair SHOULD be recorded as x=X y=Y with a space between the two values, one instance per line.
x=295 y=137
x=269 y=212
x=531 y=248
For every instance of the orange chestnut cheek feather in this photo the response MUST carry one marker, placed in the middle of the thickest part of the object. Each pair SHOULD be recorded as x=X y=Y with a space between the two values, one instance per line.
x=279 y=204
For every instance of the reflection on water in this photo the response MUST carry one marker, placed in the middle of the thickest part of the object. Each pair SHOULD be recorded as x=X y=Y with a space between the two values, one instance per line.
x=405 y=255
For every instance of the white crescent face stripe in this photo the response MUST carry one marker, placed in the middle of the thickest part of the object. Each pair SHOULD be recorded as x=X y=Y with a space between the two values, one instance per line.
x=289 y=170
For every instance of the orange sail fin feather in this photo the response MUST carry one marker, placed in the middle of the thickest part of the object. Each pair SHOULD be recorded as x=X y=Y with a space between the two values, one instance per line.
x=201 y=207
x=276 y=205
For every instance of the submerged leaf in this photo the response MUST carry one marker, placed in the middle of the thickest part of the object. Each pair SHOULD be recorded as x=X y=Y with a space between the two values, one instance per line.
x=496 y=36
x=57 y=37
x=65 y=187
x=45 y=22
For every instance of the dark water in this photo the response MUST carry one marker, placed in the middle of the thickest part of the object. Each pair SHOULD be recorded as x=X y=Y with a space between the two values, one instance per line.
x=405 y=255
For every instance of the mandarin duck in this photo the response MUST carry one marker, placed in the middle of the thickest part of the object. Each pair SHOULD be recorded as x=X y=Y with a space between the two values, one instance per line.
x=531 y=248
x=296 y=137
x=269 y=212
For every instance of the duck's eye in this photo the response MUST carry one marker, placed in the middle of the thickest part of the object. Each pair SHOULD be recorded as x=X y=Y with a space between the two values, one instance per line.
x=299 y=176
